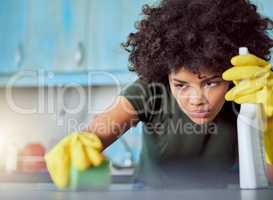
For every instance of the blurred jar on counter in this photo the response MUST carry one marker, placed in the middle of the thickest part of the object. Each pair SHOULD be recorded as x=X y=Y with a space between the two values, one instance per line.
x=30 y=158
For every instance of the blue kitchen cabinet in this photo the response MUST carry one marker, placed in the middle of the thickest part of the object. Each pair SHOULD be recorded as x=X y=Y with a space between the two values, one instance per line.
x=13 y=19
x=75 y=35
x=56 y=35
x=110 y=22
x=66 y=36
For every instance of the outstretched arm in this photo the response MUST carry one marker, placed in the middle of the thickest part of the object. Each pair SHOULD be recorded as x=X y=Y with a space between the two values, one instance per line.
x=114 y=121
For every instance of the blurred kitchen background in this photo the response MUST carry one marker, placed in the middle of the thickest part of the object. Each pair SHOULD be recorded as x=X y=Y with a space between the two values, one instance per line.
x=61 y=63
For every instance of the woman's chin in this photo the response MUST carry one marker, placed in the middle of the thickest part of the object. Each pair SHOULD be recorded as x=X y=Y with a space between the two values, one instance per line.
x=201 y=121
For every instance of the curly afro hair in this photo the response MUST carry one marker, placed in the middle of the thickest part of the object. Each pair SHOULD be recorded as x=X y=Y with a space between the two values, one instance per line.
x=195 y=34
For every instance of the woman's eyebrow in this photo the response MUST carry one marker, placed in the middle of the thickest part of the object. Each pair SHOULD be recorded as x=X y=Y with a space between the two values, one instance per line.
x=180 y=81
x=212 y=77
x=205 y=80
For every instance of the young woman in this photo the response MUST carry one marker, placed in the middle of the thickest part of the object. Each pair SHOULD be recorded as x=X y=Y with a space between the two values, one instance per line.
x=180 y=50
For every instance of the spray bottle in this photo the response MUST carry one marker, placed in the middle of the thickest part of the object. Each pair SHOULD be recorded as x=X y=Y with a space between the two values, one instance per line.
x=251 y=147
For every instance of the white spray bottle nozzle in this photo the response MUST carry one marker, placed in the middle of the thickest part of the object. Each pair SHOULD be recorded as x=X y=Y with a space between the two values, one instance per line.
x=243 y=51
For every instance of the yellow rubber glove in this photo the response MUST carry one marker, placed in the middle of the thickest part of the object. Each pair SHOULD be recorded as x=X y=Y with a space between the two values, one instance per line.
x=79 y=149
x=253 y=81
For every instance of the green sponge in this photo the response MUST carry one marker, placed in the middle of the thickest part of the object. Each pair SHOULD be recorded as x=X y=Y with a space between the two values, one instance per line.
x=92 y=178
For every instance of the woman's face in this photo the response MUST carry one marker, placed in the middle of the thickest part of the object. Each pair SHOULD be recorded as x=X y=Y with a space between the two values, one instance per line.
x=200 y=97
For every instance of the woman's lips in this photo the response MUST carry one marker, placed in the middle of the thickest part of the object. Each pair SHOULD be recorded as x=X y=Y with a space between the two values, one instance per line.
x=199 y=114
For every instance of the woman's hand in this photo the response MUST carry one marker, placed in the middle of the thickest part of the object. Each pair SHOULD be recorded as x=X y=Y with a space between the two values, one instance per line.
x=82 y=150
x=253 y=81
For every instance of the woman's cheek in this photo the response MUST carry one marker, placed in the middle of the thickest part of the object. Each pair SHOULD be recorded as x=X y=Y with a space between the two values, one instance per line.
x=217 y=98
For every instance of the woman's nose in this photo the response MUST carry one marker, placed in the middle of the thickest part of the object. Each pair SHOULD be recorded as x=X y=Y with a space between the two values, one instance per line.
x=197 y=97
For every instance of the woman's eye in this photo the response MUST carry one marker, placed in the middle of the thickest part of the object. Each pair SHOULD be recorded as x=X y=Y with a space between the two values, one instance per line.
x=212 y=84
x=181 y=86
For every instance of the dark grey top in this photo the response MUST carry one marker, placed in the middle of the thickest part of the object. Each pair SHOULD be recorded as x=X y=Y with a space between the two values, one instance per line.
x=171 y=140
